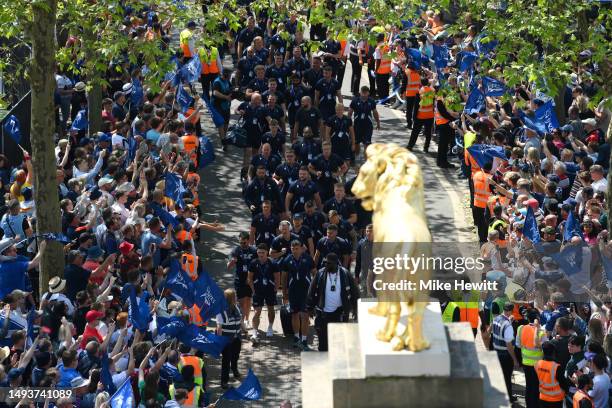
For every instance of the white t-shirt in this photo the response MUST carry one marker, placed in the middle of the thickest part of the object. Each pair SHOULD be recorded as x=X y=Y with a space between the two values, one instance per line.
x=332 y=298
x=600 y=186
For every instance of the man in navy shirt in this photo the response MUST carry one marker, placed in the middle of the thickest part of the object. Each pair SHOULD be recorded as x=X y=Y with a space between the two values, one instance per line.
x=298 y=64
x=245 y=69
x=262 y=188
x=287 y=173
x=266 y=159
x=308 y=148
x=264 y=280
x=313 y=75
x=300 y=192
x=297 y=272
x=314 y=220
x=258 y=84
x=326 y=92
x=281 y=245
x=247 y=35
x=339 y=130
x=303 y=232
x=362 y=109
x=326 y=167
x=338 y=202
x=264 y=225
x=241 y=258
x=335 y=244
x=278 y=71
x=254 y=117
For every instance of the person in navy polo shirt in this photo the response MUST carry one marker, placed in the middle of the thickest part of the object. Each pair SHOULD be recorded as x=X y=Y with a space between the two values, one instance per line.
x=281 y=244
x=308 y=148
x=297 y=271
x=326 y=92
x=264 y=280
x=314 y=220
x=327 y=167
x=301 y=191
x=287 y=173
x=332 y=243
x=303 y=232
x=339 y=130
x=266 y=158
x=264 y=225
x=262 y=188
x=241 y=258
x=338 y=202
x=362 y=109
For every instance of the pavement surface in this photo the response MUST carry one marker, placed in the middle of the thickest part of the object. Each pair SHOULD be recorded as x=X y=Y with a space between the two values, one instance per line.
x=274 y=360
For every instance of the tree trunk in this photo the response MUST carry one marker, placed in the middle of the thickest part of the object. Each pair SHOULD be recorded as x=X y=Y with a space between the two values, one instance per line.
x=42 y=79
x=94 y=107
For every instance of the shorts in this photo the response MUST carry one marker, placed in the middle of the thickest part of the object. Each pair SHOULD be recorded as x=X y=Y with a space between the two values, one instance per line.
x=263 y=297
x=253 y=140
x=243 y=291
x=363 y=132
x=297 y=300
x=225 y=113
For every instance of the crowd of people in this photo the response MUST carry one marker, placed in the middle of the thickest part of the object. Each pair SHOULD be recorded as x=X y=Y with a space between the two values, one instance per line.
x=130 y=208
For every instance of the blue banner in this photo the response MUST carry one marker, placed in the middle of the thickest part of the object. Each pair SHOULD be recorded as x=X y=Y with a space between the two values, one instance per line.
x=163 y=215
x=208 y=296
x=530 y=228
x=546 y=117
x=192 y=70
x=179 y=282
x=105 y=375
x=475 y=102
x=170 y=326
x=137 y=97
x=80 y=121
x=493 y=87
x=207 y=152
x=572 y=228
x=124 y=397
x=440 y=56
x=183 y=99
x=203 y=340
x=484 y=154
x=569 y=259
x=249 y=390
x=414 y=58
x=484 y=45
x=138 y=310
x=12 y=128
x=216 y=117
x=175 y=188
x=467 y=60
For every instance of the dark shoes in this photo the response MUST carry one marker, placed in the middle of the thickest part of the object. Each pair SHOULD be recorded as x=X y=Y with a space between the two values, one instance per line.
x=237 y=376
x=446 y=165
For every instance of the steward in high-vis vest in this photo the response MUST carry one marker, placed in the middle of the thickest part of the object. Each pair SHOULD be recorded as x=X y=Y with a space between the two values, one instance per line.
x=187 y=41
x=584 y=383
x=451 y=313
x=413 y=84
x=502 y=336
x=482 y=190
x=529 y=338
x=551 y=381
x=425 y=115
x=211 y=66
x=193 y=377
x=382 y=59
x=189 y=261
x=443 y=117
x=191 y=144
x=469 y=305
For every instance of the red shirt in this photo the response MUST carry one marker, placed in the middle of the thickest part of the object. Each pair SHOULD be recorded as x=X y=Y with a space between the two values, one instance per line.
x=88 y=334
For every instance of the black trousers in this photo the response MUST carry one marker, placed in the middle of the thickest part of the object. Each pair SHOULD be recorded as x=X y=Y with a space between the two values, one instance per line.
x=340 y=74
x=549 y=404
x=356 y=74
x=206 y=80
x=507 y=365
x=532 y=390
x=412 y=107
x=321 y=322
x=427 y=126
x=382 y=85
x=229 y=358
x=446 y=134
x=372 y=76
x=481 y=223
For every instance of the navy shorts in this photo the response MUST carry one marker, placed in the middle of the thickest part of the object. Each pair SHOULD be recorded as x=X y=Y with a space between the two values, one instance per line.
x=363 y=132
x=297 y=299
x=263 y=297
x=243 y=291
x=254 y=139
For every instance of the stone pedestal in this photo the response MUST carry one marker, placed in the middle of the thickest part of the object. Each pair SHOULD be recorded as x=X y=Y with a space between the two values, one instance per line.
x=464 y=378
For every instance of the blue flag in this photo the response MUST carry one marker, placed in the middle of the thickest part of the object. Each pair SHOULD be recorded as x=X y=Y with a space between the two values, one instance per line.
x=207 y=152
x=183 y=99
x=216 y=117
x=249 y=390
x=137 y=96
x=138 y=312
x=467 y=60
x=493 y=87
x=192 y=70
x=569 y=259
x=414 y=58
x=52 y=236
x=530 y=228
x=572 y=228
x=124 y=397
x=546 y=117
x=12 y=128
x=531 y=123
x=203 y=340
x=208 y=296
x=179 y=282
x=440 y=56
x=80 y=121
x=485 y=47
x=163 y=215
x=475 y=102
x=484 y=154
x=170 y=326
x=175 y=188
x=105 y=374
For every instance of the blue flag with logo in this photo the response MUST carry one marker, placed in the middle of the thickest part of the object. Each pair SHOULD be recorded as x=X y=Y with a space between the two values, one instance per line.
x=192 y=70
x=12 y=128
x=163 y=215
x=530 y=228
x=531 y=123
x=138 y=310
x=216 y=117
x=414 y=58
x=572 y=227
x=52 y=236
x=137 y=96
x=546 y=117
x=484 y=154
x=183 y=99
x=124 y=397
x=440 y=56
x=208 y=296
x=569 y=259
x=484 y=45
x=203 y=340
x=475 y=102
x=175 y=188
x=170 y=326
x=467 y=60
x=80 y=121
x=249 y=390
x=207 y=152
x=493 y=87
x=179 y=282
x=105 y=374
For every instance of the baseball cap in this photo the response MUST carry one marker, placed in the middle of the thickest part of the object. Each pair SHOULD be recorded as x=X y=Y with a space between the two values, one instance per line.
x=127 y=88
x=126 y=187
x=105 y=180
x=93 y=315
x=589 y=121
x=94 y=252
x=566 y=128
x=105 y=137
x=548 y=230
x=532 y=202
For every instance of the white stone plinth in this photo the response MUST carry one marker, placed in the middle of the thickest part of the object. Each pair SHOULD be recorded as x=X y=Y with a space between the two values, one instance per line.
x=380 y=361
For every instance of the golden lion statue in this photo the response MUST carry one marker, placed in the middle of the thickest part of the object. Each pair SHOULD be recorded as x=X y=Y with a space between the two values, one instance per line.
x=390 y=183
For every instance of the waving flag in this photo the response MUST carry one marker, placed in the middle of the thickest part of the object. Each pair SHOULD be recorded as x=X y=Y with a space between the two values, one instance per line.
x=569 y=259
x=414 y=57
x=170 y=326
x=572 y=228
x=105 y=374
x=493 y=87
x=52 y=236
x=175 y=188
x=138 y=312
x=179 y=282
x=216 y=117
x=208 y=296
x=207 y=152
x=183 y=99
x=249 y=390
x=137 y=96
x=530 y=228
x=80 y=121
x=484 y=154
x=485 y=47
x=531 y=123
x=124 y=397
x=475 y=102
x=467 y=60
x=440 y=56
x=546 y=117
x=12 y=128
x=163 y=215
x=192 y=70
x=203 y=340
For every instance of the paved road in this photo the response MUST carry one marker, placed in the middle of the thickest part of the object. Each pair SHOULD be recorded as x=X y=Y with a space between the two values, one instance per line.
x=275 y=362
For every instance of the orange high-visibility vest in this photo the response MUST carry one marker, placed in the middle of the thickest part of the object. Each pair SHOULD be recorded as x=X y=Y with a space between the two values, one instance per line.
x=526 y=337
x=426 y=103
x=481 y=189
x=470 y=161
x=440 y=120
x=550 y=390
x=189 y=263
x=385 y=61
x=196 y=363
x=469 y=313
x=185 y=38
x=194 y=316
x=413 y=83
x=194 y=177
x=579 y=396
x=209 y=60
x=183 y=235
x=190 y=146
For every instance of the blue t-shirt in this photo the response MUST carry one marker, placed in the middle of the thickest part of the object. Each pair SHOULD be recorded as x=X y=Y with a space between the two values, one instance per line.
x=149 y=238
x=13 y=275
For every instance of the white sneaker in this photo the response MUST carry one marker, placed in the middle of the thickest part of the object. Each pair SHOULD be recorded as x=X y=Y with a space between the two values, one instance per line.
x=270 y=332
x=254 y=338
